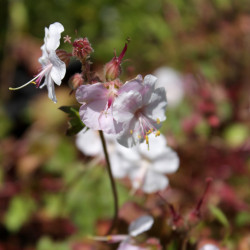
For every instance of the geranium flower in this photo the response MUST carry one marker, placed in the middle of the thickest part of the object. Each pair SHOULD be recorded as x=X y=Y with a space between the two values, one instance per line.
x=146 y=168
x=53 y=69
x=97 y=99
x=140 y=111
x=142 y=224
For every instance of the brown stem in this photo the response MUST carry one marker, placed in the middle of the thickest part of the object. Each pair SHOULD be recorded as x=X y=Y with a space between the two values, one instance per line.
x=113 y=186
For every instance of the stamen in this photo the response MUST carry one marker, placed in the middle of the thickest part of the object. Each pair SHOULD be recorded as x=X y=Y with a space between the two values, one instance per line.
x=158 y=121
x=26 y=84
x=131 y=131
x=157 y=133
x=37 y=79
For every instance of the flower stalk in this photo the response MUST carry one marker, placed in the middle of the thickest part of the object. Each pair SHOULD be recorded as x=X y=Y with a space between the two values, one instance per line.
x=112 y=182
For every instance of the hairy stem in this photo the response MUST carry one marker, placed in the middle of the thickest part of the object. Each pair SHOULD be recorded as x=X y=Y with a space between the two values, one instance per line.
x=113 y=186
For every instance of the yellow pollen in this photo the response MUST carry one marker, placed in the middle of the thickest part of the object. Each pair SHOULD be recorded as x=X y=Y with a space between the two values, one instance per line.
x=34 y=83
x=139 y=137
x=158 y=121
x=109 y=237
x=157 y=133
x=146 y=138
x=131 y=131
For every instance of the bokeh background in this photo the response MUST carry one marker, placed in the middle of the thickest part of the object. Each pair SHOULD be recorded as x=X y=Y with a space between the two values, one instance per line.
x=43 y=205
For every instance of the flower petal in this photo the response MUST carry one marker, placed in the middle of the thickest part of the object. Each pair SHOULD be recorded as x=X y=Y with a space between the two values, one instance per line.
x=44 y=59
x=59 y=68
x=128 y=139
x=90 y=114
x=107 y=122
x=156 y=147
x=154 y=182
x=156 y=107
x=125 y=106
x=168 y=162
x=134 y=84
x=51 y=88
x=142 y=224
x=91 y=149
x=52 y=36
x=91 y=92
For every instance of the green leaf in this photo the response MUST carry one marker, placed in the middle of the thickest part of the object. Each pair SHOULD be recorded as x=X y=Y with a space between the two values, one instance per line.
x=75 y=123
x=20 y=210
x=242 y=219
x=46 y=243
x=219 y=215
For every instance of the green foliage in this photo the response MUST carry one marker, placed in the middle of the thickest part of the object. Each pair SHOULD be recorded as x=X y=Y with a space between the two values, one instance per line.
x=75 y=123
x=236 y=134
x=5 y=124
x=45 y=243
x=219 y=215
x=242 y=219
x=19 y=212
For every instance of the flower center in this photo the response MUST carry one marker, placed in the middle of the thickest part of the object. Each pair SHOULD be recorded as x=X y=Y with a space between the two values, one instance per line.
x=146 y=126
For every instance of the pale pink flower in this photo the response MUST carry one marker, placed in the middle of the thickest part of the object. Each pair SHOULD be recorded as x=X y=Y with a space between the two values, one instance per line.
x=53 y=69
x=140 y=110
x=97 y=99
x=96 y=111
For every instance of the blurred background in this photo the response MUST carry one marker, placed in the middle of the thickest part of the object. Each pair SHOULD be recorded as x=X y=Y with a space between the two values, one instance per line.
x=198 y=49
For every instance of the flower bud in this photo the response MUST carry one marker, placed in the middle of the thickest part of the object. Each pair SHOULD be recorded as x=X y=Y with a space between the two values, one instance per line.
x=63 y=56
x=75 y=81
x=82 y=48
x=112 y=69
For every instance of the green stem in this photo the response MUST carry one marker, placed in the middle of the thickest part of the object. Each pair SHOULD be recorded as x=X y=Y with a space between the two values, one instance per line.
x=112 y=182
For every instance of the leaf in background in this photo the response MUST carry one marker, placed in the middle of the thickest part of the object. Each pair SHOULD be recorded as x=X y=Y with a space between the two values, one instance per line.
x=46 y=243
x=19 y=212
x=75 y=123
x=219 y=215
x=242 y=219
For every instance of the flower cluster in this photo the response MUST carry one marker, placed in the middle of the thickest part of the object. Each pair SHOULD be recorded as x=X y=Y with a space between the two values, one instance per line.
x=131 y=111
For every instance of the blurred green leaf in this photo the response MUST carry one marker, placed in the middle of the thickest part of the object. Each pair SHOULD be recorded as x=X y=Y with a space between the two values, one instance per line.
x=242 y=219
x=219 y=215
x=236 y=134
x=45 y=243
x=5 y=124
x=75 y=123
x=19 y=212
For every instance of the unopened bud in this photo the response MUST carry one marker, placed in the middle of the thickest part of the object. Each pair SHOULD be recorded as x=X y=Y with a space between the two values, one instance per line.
x=75 y=81
x=82 y=48
x=112 y=69
x=64 y=56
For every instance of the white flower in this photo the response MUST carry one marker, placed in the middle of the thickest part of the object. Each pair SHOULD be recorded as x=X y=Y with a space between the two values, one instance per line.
x=146 y=167
x=89 y=143
x=53 y=69
x=172 y=81
x=140 y=110
x=209 y=247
